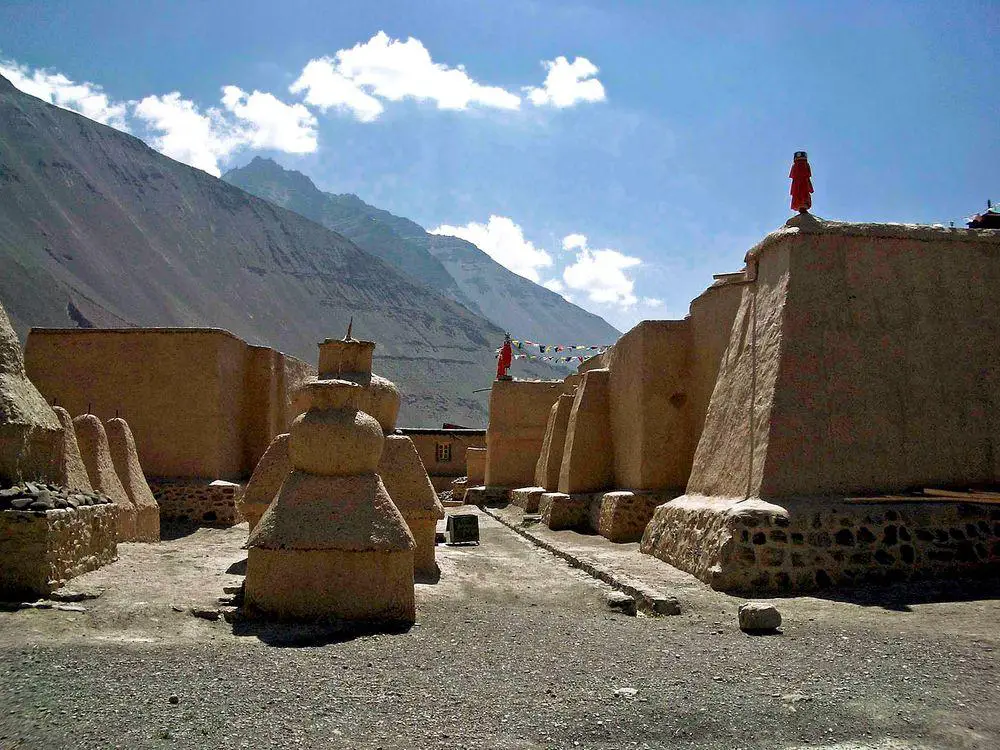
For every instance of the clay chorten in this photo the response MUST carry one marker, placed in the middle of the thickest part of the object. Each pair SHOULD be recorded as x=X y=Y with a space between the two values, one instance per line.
x=332 y=545
x=70 y=471
x=401 y=469
x=268 y=476
x=30 y=433
x=125 y=458
x=96 y=453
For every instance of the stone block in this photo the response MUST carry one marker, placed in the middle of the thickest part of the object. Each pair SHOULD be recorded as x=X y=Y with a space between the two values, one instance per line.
x=623 y=516
x=757 y=617
x=561 y=511
x=39 y=551
x=527 y=498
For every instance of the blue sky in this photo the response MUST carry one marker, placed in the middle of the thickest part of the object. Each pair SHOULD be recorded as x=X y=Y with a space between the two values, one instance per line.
x=657 y=154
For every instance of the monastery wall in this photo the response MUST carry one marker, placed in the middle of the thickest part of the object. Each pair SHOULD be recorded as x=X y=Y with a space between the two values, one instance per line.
x=650 y=383
x=587 y=458
x=868 y=353
x=519 y=412
x=200 y=402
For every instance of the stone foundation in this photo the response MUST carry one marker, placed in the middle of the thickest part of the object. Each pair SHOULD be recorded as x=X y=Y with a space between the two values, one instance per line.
x=756 y=547
x=424 y=532
x=623 y=516
x=527 y=498
x=39 y=551
x=562 y=511
x=486 y=495
x=368 y=586
x=208 y=502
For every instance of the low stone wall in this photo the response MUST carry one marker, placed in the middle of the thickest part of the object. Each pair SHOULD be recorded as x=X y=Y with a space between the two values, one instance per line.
x=208 y=502
x=562 y=511
x=623 y=516
x=756 y=547
x=527 y=498
x=41 y=550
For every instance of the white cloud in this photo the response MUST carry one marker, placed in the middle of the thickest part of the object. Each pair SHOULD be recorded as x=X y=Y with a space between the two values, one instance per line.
x=325 y=87
x=187 y=134
x=567 y=83
x=504 y=241
x=203 y=139
x=393 y=70
x=574 y=241
x=601 y=275
x=270 y=123
x=87 y=99
x=652 y=302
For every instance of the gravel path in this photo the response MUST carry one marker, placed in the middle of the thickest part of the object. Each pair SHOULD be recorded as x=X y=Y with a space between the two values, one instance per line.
x=513 y=649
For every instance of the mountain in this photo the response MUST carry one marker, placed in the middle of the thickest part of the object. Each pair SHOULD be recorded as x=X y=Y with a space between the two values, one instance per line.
x=98 y=229
x=452 y=266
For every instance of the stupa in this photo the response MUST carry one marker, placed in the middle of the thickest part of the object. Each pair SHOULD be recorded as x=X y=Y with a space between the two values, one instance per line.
x=332 y=545
x=268 y=476
x=401 y=469
x=125 y=458
x=96 y=453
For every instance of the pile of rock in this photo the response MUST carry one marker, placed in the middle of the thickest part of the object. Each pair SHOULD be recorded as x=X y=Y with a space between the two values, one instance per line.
x=40 y=497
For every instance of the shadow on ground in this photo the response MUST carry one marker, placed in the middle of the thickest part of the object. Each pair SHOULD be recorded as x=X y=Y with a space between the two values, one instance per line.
x=901 y=597
x=308 y=635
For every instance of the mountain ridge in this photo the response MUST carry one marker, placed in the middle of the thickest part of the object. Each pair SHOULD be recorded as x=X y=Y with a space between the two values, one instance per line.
x=96 y=228
x=471 y=277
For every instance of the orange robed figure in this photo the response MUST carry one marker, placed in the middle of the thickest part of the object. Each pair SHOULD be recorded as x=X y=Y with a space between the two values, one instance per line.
x=504 y=360
x=801 y=184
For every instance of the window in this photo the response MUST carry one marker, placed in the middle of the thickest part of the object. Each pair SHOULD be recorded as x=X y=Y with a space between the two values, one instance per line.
x=443 y=453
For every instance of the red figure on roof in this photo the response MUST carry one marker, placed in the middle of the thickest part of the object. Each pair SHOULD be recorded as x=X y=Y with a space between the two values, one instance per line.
x=801 y=183
x=504 y=360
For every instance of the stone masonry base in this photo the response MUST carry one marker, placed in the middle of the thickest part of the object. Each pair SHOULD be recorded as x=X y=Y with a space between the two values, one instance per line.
x=762 y=548
x=619 y=516
x=201 y=501
x=39 y=551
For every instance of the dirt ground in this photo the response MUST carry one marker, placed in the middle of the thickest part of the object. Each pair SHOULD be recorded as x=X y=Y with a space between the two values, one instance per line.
x=512 y=649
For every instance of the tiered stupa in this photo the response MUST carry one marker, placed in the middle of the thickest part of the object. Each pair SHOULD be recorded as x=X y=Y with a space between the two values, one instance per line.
x=332 y=545
x=401 y=469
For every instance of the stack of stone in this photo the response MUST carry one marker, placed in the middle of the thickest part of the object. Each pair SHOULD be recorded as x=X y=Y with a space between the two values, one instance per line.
x=40 y=497
x=332 y=545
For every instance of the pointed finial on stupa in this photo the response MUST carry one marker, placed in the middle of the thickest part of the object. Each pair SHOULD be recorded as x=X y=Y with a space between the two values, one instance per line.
x=350 y=325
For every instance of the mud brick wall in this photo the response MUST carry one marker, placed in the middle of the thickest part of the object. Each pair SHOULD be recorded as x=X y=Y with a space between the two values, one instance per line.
x=193 y=501
x=39 y=551
x=758 y=547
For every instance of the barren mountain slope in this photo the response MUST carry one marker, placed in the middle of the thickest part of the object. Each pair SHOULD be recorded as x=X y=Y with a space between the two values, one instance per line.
x=456 y=268
x=98 y=229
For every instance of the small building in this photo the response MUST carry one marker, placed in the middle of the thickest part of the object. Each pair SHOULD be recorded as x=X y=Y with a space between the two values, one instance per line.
x=443 y=451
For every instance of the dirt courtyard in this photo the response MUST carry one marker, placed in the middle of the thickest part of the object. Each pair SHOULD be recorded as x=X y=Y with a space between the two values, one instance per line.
x=512 y=648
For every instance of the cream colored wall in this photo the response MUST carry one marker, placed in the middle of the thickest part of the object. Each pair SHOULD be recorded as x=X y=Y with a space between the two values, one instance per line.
x=554 y=444
x=198 y=400
x=443 y=472
x=650 y=405
x=712 y=314
x=588 y=457
x=871 y=352
x=519 y=411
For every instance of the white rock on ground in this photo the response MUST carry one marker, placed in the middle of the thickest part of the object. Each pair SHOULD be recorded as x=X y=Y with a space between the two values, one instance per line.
x=756 y=617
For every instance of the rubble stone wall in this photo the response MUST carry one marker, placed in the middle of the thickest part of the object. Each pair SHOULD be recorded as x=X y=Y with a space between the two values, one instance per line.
x=197 y=501
x=39 y=551
x=756 y=547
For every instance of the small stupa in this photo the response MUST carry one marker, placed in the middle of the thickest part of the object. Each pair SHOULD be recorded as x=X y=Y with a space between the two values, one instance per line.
x=268 y=476
x=93 y=442
x=401 y=469
x=125 y=458
x=332 y=545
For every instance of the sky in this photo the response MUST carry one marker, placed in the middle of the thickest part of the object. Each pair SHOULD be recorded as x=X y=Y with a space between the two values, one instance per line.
x=618 y=153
